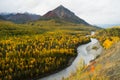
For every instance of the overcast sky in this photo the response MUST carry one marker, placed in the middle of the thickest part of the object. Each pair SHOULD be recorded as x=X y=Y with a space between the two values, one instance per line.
x=92 y=11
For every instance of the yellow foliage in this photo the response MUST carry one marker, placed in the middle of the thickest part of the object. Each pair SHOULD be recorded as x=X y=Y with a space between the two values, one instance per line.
x=115 y=39
x=37 y=54
x=107 y=43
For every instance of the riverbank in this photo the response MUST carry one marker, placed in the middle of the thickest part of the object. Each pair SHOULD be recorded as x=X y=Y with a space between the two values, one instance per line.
x=54 y=72
x=109 y=61
x=82 y=53
x=104 y=67
x=71 y=59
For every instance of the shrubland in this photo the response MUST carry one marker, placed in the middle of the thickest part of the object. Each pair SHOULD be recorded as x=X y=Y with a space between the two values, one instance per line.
x=108 y=37
x=35 y=49
x=106 y=65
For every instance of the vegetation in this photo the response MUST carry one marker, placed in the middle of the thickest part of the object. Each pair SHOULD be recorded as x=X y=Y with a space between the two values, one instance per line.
x=31 y=50
x=9 y=29
x=109 y=36
x=100 y=69
x=87 y=73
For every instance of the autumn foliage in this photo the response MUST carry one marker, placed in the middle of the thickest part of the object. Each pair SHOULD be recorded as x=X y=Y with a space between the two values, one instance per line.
x=27 y=57
x=108 y=37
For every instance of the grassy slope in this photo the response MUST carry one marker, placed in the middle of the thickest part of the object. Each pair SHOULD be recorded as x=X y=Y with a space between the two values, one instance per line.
x=110 y=62
x=107 y=65
x=8 y=29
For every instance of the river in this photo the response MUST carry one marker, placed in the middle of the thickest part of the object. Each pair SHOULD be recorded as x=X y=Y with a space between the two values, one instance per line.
x=85 y=52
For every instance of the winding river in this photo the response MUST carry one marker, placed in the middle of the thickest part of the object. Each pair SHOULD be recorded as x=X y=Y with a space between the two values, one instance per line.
x=85 y=52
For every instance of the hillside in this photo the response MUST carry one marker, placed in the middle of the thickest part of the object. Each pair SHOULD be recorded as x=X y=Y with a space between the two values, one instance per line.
x=2 y=18
x=8 y=29
x=107 y=65
x=20 y=17
x=64 y=14
x=110 y=62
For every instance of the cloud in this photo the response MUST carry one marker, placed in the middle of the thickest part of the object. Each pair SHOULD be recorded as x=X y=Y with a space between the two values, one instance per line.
x=93 y=11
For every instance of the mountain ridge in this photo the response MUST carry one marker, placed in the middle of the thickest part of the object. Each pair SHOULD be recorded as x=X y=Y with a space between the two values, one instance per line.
x=60 y=13
x=64 y=14
x=20 y=17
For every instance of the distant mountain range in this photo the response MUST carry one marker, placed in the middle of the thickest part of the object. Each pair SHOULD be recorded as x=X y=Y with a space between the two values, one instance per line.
x=19 y=17
x=107 y=25
x=59 y=13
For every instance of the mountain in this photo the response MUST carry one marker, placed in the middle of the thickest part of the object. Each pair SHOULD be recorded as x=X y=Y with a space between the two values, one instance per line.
x=60 y=14
x=108 y=25
x=20 y=17
x=64 y=14
x=2 y=18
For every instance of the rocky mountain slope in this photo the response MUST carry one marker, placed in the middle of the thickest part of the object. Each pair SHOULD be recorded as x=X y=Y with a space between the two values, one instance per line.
x=64 y=14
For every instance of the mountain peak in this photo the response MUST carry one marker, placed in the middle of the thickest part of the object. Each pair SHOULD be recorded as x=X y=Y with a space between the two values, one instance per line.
x=60 y=6
x=64 y=14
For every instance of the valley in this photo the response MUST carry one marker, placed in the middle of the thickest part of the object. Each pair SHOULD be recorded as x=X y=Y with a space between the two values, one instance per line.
x=34 y=46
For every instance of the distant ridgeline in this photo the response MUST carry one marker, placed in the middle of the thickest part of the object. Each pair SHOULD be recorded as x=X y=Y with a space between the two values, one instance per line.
x=19 y=17
x=60 y=13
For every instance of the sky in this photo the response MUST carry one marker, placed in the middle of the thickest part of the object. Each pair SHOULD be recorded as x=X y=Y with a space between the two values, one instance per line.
x=92 y=11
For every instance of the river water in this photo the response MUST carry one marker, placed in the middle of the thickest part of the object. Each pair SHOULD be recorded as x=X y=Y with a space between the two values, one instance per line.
x=85 y=52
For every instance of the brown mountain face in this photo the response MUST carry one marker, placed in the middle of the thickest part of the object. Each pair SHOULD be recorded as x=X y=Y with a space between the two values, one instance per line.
x=51 y=14
x=64 y=14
